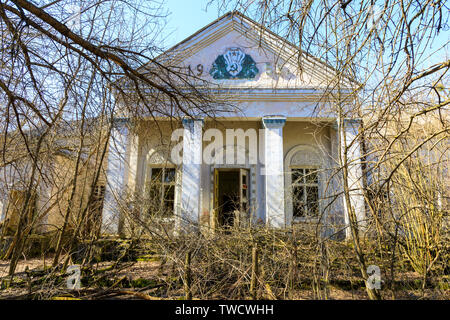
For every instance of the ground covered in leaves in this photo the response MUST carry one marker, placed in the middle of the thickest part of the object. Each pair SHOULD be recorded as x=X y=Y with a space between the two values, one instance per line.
x=145 y=274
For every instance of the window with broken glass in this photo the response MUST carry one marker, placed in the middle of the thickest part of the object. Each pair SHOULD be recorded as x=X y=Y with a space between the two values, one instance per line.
x=305 y=192
x=161 y=191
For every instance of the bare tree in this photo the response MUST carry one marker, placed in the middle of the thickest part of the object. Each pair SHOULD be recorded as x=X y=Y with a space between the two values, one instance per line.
x=397 y=53
x=69 y=68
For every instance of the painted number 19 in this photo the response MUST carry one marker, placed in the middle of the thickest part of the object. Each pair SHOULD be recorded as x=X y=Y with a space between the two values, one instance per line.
x=198 y=70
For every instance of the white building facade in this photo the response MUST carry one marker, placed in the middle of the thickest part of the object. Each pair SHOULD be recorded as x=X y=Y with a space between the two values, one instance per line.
x=272 y=160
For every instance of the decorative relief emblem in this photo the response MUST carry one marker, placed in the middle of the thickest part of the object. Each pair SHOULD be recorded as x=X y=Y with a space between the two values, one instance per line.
x=234 y=64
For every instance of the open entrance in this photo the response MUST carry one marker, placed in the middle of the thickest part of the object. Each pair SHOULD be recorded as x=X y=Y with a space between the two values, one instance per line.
x=230 y=196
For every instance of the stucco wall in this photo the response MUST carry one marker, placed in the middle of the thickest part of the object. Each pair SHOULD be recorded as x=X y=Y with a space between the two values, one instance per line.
x=154 y=140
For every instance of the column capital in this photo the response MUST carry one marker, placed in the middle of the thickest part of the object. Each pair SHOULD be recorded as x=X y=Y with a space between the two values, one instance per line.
x=273 y=121
x=189 y=121
x=120 y=121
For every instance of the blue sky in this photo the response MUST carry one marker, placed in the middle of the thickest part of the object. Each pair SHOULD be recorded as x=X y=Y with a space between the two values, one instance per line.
x=186 y=17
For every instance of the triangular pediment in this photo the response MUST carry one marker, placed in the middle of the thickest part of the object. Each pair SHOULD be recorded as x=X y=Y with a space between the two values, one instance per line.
x=236 y=52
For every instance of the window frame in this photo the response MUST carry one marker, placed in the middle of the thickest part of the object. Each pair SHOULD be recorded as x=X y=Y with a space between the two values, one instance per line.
x=304 y=156
x=9 y=205
x=305 y=185
x=98 y=198
x=163 y=186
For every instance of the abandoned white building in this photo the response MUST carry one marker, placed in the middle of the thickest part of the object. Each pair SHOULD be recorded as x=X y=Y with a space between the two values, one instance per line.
x=273 y=160
x=283 y=110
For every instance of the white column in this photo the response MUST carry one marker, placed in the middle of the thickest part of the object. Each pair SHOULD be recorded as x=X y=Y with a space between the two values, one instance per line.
x=44 y=199
x=120 y=174
x=3 y=201
x=191 y=176
x=3 y=195
x=350 y=143
x=4 y=192
x=335 y=217
x=274 y=171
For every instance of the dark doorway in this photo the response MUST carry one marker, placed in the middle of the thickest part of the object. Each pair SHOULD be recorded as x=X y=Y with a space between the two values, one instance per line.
x=228 y=197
